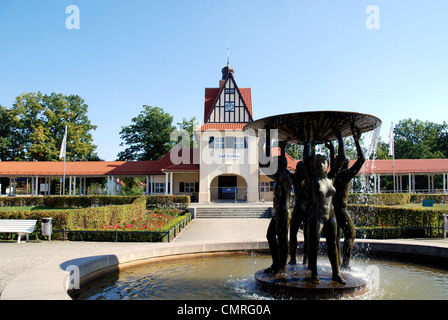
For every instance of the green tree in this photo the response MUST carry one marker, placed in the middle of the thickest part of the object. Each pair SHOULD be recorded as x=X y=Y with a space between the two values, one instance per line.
x=148 y=137
x=133 y=186
x=419 y=140
x=186 y=133
x=10 y=147
x=37 y=125
x=382 y=150
x=294 y=150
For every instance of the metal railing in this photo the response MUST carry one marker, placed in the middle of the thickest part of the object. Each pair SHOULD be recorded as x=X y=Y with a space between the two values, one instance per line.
x=228 y=193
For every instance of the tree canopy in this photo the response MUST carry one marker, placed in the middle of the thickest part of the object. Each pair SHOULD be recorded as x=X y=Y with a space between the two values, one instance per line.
x=33 y=129
x=148 y=137
x=420 y=140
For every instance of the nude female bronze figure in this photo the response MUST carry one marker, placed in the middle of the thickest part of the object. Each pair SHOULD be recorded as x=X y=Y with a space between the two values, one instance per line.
x=321 y=214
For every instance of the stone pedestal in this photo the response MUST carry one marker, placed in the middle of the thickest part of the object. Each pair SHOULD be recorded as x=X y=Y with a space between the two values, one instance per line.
x=296 y=284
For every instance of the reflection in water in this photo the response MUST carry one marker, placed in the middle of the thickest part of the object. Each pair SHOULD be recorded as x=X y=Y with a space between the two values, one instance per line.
x=232 y=277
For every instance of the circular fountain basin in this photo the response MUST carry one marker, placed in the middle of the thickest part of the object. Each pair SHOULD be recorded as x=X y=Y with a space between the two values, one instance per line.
x=231 y=276
x=292 y=127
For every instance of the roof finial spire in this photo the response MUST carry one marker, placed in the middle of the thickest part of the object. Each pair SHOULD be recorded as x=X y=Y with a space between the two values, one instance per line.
x=228 y=54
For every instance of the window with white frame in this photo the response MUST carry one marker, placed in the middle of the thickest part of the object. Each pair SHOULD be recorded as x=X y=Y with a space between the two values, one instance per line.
x=238 y=143
x=219 y=142
x=159 y=187
x=264 y=186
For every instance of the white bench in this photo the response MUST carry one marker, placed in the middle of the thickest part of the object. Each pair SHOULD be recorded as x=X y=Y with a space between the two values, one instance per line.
x=21 y=227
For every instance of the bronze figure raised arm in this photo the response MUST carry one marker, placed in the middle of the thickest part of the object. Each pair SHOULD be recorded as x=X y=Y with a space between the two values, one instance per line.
x=340 y=198
x=300 y=212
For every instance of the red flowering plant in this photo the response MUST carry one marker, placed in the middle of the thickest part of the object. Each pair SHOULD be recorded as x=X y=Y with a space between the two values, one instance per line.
x=156 y=220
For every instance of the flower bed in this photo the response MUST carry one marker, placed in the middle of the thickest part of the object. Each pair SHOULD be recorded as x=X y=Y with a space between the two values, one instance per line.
x=157 y=220
x=160 y=225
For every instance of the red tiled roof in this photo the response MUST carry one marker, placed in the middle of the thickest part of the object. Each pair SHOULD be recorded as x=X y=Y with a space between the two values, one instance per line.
x=129 y=168
x=210 y=98
x=405 y=166
x=211 y=95
x=246 y=93
x=93 y=168
x=191 y=165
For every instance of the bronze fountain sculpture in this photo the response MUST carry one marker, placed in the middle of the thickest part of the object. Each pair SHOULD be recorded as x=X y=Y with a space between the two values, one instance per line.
x=321 y=188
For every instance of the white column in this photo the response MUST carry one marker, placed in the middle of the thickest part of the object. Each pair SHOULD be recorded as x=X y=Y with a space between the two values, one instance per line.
x=37 y=186
x=166 y=183
x=70 y=186
x=444 y=182
x=147 y=185
x=151 y=187
x=171 y=182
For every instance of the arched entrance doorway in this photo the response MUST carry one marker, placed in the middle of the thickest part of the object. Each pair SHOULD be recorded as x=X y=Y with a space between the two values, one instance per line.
x=228 y=188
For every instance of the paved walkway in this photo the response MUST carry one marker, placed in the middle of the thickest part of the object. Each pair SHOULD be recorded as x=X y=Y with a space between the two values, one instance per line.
x=16 y=258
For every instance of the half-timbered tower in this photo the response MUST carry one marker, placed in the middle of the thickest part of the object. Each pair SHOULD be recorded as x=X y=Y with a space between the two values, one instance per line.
x=229 y=167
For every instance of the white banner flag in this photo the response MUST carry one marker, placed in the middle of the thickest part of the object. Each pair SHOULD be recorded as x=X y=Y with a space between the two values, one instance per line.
x=63 y=145
x=391 y=141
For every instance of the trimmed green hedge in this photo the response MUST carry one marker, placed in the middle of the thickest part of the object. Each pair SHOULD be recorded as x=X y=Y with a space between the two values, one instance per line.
x=380 y=215
x=81 y=219
x=388 y=199
x=390 y=233
x=93 y=212
x=93 y=201
x=395 y=198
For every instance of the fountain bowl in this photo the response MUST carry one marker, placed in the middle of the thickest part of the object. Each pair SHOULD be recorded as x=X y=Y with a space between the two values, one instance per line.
x=292 y=126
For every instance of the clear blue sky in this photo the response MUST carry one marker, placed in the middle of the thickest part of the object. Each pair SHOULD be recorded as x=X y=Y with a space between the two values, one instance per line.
x=295 y=55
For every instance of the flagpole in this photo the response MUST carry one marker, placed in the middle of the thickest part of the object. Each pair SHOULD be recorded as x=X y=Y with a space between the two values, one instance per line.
x=63 y=181
x=63 y=154
x=392 y=152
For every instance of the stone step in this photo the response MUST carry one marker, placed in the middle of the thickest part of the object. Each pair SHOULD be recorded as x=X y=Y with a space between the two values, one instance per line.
x=233 y=212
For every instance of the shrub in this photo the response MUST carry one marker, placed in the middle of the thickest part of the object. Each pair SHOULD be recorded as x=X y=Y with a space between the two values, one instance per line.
x=389 y=199
x=92 y=212
x=380 y=215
